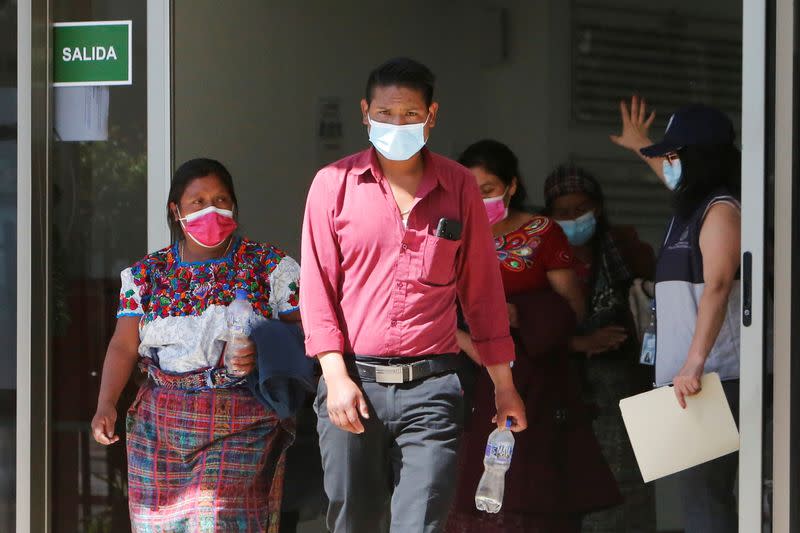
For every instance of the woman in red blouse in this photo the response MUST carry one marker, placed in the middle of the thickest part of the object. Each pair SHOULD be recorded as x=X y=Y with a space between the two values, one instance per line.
x=557 y=474
x=532 y=249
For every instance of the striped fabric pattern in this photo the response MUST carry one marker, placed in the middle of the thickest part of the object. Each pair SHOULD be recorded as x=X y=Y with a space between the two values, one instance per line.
x=203 y=461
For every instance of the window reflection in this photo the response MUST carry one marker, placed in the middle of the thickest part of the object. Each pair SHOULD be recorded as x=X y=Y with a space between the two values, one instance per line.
x=8 y=261
x=99 y=197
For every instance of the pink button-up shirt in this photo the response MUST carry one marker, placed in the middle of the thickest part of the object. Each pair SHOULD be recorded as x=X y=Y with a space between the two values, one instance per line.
x=370 y=286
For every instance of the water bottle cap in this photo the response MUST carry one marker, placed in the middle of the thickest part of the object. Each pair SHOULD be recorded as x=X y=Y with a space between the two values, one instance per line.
x=241 y=294
x=508 y=423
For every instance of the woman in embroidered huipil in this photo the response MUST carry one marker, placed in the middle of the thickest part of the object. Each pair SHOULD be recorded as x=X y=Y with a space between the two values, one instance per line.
x=203 y=453
x=558 y=473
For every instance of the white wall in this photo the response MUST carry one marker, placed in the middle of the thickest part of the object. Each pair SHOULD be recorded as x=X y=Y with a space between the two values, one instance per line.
x=248 y=78
x=517 y=91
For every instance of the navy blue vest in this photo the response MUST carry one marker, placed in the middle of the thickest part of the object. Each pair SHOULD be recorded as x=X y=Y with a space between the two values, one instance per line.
x=679 y=286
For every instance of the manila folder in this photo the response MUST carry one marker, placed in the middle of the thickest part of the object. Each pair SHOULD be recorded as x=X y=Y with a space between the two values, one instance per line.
x=667 y=439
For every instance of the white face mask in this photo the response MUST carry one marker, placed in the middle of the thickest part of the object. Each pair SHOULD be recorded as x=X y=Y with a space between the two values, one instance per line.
x=397 y=143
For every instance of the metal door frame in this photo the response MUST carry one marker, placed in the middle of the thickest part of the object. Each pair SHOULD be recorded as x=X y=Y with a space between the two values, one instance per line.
x=784 y=489
x=754 y=83
x=33 y=264
x=159 y=120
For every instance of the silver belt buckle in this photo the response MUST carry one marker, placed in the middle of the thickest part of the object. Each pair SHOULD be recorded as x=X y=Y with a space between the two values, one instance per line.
x=388 y=374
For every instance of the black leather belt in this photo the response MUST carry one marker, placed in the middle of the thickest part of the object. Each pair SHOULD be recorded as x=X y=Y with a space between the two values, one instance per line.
x=397 y=370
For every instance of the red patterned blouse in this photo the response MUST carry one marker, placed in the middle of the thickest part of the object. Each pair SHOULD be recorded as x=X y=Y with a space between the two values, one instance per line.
x=529 y=252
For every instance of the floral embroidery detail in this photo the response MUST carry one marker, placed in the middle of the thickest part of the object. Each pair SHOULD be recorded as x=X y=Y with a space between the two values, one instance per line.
x=294 y=297
x=127 y=303
x=517 y=250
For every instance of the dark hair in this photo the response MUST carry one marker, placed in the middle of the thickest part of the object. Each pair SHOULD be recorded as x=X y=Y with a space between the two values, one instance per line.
x=706 y=168
x=498 y=159
x=570 y=179
x=402 y=72
x=187 y=173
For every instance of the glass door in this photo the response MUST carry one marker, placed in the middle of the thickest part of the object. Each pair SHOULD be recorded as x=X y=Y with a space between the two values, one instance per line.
x=785 y=453
x=8 y=261
x=98 y=214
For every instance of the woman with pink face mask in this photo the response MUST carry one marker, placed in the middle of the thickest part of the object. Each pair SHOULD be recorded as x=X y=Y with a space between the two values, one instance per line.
x=532 y=249
x=558 y=473
x=202 y=451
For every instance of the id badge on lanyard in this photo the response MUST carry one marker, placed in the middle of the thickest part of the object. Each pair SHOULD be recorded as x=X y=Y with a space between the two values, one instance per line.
x=648 y=354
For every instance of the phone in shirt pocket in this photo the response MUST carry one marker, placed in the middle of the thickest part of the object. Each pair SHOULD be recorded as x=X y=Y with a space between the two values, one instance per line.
x=439 y=258
x=449 y=229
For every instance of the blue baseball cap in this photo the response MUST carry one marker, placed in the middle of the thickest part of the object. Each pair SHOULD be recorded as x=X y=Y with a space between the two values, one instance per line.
x=694 y=124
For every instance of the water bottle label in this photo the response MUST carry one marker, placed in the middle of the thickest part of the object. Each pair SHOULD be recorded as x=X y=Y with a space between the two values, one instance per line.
x=500 y=452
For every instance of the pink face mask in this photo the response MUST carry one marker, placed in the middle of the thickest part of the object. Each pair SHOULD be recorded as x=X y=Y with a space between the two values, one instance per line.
x=496 y=208
x=209 y=227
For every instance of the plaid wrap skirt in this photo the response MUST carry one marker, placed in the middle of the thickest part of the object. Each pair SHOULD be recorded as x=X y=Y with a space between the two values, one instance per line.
x=203 y=461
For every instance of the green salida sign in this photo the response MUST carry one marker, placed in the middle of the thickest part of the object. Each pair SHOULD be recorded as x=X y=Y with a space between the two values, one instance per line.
x=92 y=53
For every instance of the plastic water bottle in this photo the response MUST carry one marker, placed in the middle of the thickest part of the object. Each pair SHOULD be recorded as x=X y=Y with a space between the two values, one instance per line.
x=239 y=316
x=496 y=461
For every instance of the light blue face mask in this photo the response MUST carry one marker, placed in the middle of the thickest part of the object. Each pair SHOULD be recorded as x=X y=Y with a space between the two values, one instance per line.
x=581 y=230
x=398 y=143
x=672 y=173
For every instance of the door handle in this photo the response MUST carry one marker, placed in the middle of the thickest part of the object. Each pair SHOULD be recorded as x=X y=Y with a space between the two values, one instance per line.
x=747 y=289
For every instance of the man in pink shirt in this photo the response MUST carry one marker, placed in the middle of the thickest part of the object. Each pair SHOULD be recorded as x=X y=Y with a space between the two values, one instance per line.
x=391 y=237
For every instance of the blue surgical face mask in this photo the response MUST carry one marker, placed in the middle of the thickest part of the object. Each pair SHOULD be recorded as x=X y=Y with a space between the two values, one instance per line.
x=672 y=173
x=398 y=143
x=581 y=230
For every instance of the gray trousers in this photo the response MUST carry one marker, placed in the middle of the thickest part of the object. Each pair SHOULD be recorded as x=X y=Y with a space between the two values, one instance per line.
x=707 y=490
x=399 y=475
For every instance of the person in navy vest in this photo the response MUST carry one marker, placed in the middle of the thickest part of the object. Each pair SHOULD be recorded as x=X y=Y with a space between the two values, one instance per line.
x=697 y=280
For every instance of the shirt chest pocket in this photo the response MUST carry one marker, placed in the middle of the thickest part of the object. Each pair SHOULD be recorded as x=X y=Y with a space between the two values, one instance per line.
x=439 y=260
